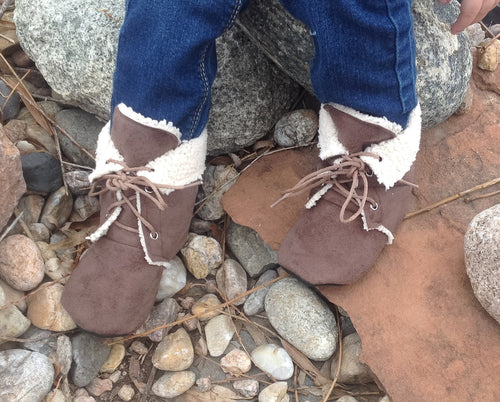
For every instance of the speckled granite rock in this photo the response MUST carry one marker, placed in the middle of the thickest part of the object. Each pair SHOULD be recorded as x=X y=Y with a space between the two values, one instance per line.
x=24 y=375
x=250 y=250
x=302 y=318
x=482 y=258
x=444 y=61
x=83 y=128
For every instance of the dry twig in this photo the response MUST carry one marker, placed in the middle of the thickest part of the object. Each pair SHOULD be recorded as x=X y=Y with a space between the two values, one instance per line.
x=11 y=226
x=330 y=390
x=454 y=197
x=190 y=317
x=295 y=384
x=45 y=285
x=38 y=114
x=479 y=197
x=149 y=384
x=23 y=223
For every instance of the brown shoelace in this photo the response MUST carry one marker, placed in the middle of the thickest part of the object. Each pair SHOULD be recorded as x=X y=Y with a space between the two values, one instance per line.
x=350 y=169
x=127 y=179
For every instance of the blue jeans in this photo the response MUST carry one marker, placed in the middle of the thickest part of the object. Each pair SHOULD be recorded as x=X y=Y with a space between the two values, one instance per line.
x=166 y=61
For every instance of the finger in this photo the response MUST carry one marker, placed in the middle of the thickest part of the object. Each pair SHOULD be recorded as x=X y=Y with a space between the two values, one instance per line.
x=444 y=1
x=469 y=10
x=485 y=9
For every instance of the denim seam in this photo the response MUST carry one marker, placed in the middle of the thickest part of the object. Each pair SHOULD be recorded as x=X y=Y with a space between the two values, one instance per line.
x=396 y=62
x=232 y=18
x=206 y=88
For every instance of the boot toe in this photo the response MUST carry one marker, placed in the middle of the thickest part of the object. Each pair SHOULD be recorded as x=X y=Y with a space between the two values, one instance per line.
x=321 y=250
x=112 y=290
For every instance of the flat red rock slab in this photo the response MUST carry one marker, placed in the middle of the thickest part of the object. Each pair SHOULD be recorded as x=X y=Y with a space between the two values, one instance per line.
x=424 y=333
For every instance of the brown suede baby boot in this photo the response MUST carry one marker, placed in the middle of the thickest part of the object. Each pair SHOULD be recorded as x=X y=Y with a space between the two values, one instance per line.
x=146 y=179
x=358 y=197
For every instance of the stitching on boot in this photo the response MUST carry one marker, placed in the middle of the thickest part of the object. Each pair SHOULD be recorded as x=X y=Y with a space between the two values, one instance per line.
x=103 y=229
x=142 y=238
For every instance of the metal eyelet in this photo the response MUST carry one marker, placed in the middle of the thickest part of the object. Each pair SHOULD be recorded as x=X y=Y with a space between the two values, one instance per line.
x=374 y=207
x=148 y=190
x=154 y=235
x=369 y=173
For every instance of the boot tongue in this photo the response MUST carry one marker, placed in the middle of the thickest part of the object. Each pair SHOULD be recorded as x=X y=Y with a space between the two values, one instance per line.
x=137 y=143
x=356 y=134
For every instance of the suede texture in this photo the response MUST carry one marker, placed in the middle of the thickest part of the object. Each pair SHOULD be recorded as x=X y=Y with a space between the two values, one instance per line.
x=172 y=224
x=114 y=287
x=130 y=137
x=112 y=290
x=323 y=250
x=356 y=134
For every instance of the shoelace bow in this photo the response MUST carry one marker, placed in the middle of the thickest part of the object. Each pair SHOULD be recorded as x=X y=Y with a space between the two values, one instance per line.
x=351 y=169
x=127 y=179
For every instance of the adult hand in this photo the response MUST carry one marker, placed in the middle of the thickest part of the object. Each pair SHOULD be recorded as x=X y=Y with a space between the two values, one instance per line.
x=471 y=11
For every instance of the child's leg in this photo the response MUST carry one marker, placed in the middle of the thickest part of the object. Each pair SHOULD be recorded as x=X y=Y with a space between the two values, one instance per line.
x=149 y=160
x=365 y=54
x=166 y=59
x=364 y=74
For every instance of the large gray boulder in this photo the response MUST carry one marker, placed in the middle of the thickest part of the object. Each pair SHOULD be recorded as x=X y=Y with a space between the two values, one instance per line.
x=74 y=43
x=482 y=259
x=444 y=61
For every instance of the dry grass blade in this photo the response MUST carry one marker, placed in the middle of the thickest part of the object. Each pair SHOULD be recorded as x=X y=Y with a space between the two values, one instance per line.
x=134 y=370
x=11 y=93
x=492 y=41
x=21 y=340
x=256 y=333
x=296 y=393
x=330 y=390
x=479 y=197
x=305 y=364
x=74 y=239
x=7 y=24
x=11 y=226
x=45 y=121
x=26 y=97
x=228 y=379
x=263 y=144
x=8 y=39
x=25 y=227
x=149 y=384
x=454 y=197
x=37 y=113
x=45 y=285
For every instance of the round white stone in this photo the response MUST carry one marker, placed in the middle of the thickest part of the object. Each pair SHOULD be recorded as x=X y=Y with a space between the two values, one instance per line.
x=273 y=360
